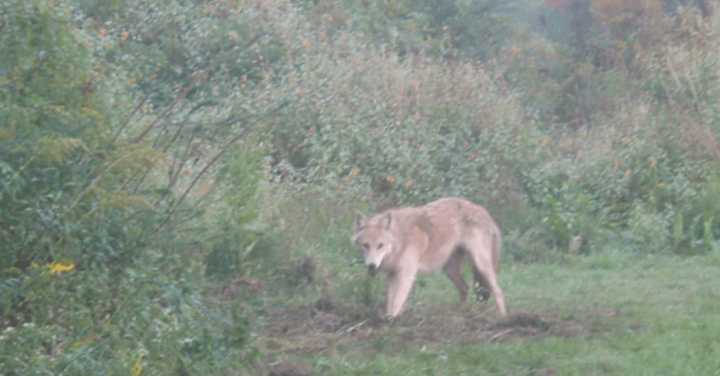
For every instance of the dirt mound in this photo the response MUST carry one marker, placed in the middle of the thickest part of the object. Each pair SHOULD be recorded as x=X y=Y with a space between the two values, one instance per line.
x=520 y=324
x=326 y=325
x=290 y=369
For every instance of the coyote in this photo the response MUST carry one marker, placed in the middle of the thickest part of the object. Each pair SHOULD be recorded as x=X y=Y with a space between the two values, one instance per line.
x=402 y=242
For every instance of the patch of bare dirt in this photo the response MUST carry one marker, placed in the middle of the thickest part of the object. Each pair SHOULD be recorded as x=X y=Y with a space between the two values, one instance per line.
x=326 y=326
x=290 y=369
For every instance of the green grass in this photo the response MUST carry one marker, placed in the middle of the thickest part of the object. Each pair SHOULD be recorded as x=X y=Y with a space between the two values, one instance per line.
x=638 y=315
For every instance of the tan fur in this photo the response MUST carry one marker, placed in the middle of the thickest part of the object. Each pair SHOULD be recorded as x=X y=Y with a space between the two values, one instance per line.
x=402 y=242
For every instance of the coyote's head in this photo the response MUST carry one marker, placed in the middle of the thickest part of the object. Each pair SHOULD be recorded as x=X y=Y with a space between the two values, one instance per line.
x=375 y=239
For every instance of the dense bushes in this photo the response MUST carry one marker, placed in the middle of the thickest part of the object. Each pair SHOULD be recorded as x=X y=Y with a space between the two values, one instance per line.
x=368 y=121
x=625 y=173
x=95 y=277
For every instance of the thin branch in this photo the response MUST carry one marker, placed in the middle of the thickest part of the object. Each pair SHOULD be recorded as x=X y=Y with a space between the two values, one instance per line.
x=182 y=126
x=178 y=164
x=185 y=91
x=175 y=173
x=97 y=179
x=202 y=172
x=142 y=176
x=132 y=115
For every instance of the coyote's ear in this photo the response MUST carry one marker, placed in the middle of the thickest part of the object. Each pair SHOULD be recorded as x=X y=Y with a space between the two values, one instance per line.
x=386 y=220
x=359 y=222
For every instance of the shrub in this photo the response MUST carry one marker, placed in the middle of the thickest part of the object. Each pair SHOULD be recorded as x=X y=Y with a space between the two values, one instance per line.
x=407 y=132
x=96 y=276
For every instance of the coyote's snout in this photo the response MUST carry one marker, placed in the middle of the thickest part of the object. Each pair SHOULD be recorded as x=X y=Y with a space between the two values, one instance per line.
x=402 y=242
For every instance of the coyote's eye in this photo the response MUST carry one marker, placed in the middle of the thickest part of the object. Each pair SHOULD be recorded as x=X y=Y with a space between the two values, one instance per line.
x=366 y=245
x=380 y=245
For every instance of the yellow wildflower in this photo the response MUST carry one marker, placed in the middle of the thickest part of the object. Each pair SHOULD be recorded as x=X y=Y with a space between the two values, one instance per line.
x=61 y=267
x=137 y=368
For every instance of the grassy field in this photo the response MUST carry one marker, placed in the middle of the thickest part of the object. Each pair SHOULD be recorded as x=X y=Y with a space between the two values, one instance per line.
x=606 y=314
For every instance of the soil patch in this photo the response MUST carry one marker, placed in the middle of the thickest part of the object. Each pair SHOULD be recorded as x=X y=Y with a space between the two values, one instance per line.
x=290 y=369
x=326 y=327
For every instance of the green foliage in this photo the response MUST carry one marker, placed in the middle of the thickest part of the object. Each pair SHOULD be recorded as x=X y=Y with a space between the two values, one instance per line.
x=58 y=157
x=94 y=278
x=695 y=229
x=414 y=130
x=237 y=243
x=474 y=29
x=87 y=323
x=407 y=133
x=626 y=184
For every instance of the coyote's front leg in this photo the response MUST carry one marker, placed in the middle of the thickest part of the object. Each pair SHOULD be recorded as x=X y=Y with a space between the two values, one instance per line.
x=399 y=287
